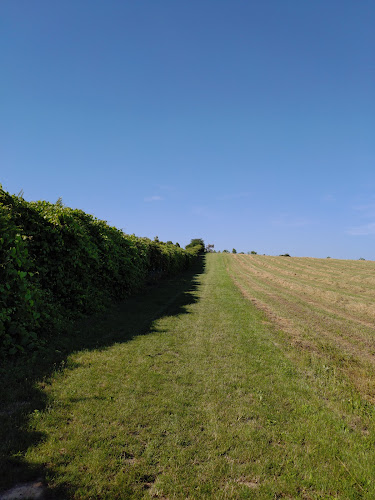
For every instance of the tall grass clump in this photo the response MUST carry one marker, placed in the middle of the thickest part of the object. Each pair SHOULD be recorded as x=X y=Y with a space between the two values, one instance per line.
x=57 y=263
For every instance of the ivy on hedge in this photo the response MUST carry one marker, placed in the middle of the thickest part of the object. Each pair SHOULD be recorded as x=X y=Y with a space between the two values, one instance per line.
x=58 y=262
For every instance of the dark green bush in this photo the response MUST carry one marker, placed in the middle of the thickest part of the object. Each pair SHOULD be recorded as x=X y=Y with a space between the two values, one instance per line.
x=196 y=245
x=57 y=262
x=20 y=297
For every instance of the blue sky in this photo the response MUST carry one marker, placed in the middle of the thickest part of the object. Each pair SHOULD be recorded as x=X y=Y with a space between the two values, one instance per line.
x=249 y=124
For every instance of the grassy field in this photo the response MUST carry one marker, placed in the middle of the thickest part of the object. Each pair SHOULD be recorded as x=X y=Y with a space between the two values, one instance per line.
x=249 y=378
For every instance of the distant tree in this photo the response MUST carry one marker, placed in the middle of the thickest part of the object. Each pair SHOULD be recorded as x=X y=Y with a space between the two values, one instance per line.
x=225 y=251
x=253 y=252
x=328 y=257
x=196 y=242
x=156 y=239
x=234 y=250
x=284 y=255
x=361 y=258
x=169 y=242
x=177 y=244
x=210 y=248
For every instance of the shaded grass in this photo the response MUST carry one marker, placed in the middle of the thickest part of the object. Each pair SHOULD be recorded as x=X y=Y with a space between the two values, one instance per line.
x=23 y=381
x=209 y=404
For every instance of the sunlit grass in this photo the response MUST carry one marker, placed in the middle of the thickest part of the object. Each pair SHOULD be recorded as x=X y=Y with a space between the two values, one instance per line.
x=210 y=403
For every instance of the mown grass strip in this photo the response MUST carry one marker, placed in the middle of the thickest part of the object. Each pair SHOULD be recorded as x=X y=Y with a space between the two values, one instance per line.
x=205 y=404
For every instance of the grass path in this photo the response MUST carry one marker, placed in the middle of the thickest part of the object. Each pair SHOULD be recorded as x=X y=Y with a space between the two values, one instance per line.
x=208 y=404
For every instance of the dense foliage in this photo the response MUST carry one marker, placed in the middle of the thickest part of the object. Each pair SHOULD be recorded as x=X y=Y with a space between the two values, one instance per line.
x=197 y=245
x=57 y=262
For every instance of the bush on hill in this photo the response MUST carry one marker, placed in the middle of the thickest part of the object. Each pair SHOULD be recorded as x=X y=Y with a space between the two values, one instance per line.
x=196 y=245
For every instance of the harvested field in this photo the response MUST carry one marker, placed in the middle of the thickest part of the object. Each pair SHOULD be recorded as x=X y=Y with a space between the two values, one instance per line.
x=325 y=306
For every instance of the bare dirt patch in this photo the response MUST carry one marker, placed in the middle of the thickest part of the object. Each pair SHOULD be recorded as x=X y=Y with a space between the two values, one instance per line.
x=252 y=484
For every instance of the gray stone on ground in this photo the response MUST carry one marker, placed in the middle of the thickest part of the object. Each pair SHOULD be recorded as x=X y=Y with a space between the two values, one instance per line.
x=30 y=491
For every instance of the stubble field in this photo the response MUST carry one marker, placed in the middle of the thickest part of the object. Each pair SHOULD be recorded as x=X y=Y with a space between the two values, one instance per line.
x=326 y=307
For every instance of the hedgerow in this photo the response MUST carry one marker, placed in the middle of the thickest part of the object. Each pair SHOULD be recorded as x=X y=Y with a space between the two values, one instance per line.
x=57 y=263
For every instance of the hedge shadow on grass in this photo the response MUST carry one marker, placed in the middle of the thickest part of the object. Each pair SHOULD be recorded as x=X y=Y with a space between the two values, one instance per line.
x=21 y=392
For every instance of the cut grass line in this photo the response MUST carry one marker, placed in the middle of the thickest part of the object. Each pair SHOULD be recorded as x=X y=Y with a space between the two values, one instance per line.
x=341 y=342
x=348 y=279
x=315 y=304
x=340 y=294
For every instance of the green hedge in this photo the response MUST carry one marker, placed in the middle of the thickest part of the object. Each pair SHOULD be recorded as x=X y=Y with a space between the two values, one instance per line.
x=57 y=263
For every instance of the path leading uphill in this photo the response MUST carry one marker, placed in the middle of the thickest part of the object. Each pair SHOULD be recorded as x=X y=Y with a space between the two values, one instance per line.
x=210 y=401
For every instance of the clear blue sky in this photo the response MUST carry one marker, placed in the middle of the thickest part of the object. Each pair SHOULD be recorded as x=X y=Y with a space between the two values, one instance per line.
x=250 y=124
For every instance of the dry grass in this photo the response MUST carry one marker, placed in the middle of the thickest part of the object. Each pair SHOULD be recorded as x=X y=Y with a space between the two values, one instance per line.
x=327 y=308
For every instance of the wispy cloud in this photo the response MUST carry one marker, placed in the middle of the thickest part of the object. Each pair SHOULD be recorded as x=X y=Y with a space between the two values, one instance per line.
x=364 y=230
x=165 y=187
x=367 y=210
x=329 y=198
x=153 y=198
x=203 y=212
x=233 y=196
x=363 y=212
x=286 y=220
